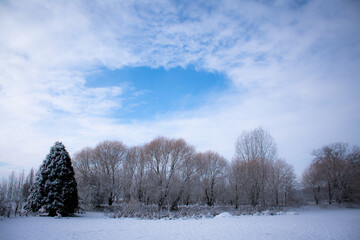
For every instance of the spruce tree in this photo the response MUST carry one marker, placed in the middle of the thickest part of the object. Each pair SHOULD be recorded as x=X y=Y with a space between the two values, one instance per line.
x=55 y=188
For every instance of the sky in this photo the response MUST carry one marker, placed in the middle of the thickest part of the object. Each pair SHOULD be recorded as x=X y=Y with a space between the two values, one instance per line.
x=82 y=72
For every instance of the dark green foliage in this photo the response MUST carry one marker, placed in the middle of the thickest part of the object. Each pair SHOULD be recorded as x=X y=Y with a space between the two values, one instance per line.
x=55 y=188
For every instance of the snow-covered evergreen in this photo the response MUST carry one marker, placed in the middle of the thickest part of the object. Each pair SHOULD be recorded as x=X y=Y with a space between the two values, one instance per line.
x=55 y=188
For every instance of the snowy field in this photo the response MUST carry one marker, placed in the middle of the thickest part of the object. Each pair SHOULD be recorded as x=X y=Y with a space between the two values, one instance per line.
x=304 y=223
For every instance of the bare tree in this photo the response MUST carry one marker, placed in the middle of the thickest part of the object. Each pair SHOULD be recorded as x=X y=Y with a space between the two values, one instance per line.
x=98 y=171
x=13 y=193
x=83 y=163
x=28 y=183
x=235 y=181
x=187 y=170
x=248 y=180
x=164 y=160
x=88 y=177
x=141 y=175
x=108 y=159
x=353 y=191
x=337 y=165
x=256 y=150
x=281 y=181
x=254 y=145
x=313 y=182
x=3 y=198
x=212 y=169
x=131 y=167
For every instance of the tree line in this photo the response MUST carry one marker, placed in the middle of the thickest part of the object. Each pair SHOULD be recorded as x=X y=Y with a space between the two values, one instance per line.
x=14 y=192
x=169 y=172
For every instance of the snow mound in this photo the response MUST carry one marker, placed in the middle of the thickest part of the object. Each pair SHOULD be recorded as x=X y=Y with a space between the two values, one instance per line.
x=292 y=213
x=223 y=215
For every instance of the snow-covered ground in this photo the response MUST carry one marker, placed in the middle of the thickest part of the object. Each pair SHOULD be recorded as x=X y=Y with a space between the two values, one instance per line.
x=304 y=223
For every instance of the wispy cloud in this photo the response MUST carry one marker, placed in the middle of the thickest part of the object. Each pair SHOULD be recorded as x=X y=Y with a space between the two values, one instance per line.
x=294 y=67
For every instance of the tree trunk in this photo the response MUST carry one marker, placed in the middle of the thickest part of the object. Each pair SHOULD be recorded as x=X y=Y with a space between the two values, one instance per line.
x=330 y=194
x=236 y=197
x=175 y=203
x=52 y=213
x=111 y=199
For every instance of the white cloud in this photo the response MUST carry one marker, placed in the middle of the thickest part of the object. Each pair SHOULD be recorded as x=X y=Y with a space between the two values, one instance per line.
x=294 y=69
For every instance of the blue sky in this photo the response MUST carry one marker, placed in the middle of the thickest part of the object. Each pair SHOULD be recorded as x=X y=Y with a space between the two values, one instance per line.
x=150 y=93
x=82 y=72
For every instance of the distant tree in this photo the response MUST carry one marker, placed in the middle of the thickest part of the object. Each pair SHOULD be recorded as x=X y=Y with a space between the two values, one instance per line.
x=354 y=187
x=337 y=165
x=108 y=160
x=235 y=180
x=3 y=197
x=256 y=150
x=90 y=187
x=255 y=145
x=281 y=181
x=185 y=173
x=100 y=172
x=129 y=171
x=11 y=195
x=313 y=182
x=141 y=190
x=212 y=169
x=246 y=181
x=55 y=188
x=27 y=185
x=165 y=157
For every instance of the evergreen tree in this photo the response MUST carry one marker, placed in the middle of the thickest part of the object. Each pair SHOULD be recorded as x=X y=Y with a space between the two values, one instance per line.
x=55 y=188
